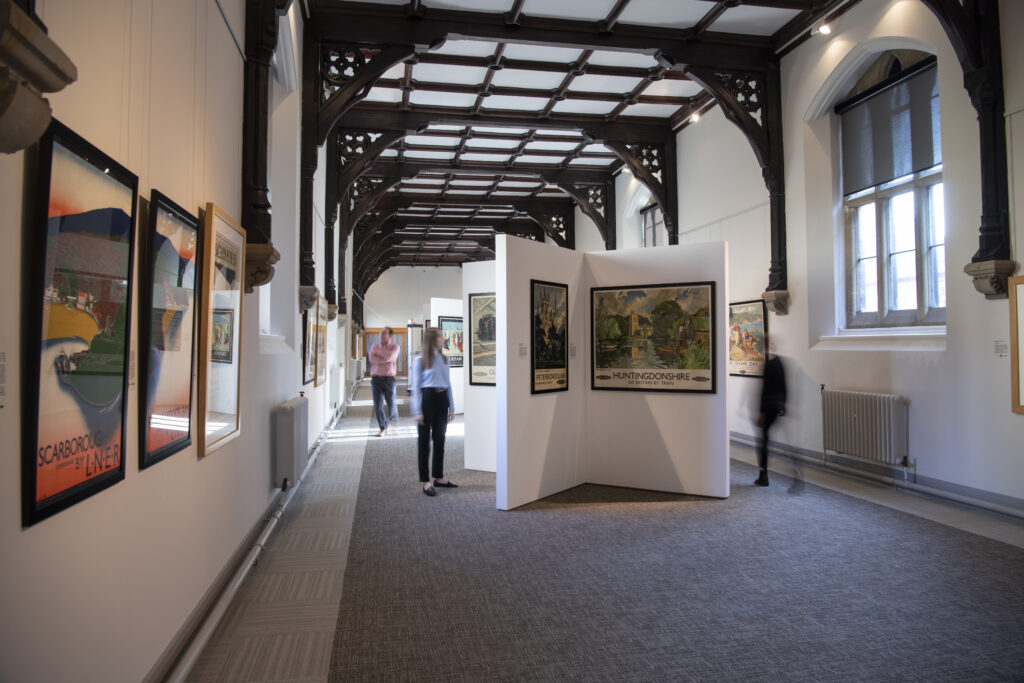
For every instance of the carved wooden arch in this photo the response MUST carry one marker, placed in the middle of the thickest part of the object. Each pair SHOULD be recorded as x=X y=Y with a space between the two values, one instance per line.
x=345 y=77
x=753 y=101
x=597 y=202
x=973 y=31
x=654 y=165
x=332 y=84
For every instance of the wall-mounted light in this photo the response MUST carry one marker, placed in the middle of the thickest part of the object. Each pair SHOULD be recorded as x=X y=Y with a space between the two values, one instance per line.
x=695 y=117
x=821 y=27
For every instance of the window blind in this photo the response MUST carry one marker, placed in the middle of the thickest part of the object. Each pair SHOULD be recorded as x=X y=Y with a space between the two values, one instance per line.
x=892 y=130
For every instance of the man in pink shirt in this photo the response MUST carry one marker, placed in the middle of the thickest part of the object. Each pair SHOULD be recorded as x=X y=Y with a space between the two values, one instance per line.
x=383 y=358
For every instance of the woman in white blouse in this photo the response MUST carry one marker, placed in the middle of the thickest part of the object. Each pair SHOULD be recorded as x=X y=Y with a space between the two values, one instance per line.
x=433 y=408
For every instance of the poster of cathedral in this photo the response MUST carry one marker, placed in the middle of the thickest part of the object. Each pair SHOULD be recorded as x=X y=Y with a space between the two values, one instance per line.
x=549 y=352
x=654 y=337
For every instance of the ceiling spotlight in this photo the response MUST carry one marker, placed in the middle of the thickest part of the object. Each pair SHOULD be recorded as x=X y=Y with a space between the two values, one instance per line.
x=822 y=28
x=694 y=117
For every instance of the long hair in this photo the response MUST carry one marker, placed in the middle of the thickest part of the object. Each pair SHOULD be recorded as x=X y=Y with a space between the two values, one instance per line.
x=431 y=345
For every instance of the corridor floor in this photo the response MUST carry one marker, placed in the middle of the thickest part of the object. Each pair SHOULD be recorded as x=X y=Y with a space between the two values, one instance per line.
x=280 y=626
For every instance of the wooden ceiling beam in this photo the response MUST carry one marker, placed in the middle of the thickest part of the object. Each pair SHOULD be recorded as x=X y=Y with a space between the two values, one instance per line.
x=375 y=116
x=372 y=24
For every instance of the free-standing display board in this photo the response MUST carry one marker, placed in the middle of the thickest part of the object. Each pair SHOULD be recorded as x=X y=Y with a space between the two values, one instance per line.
x=645 y=438
x=220 y=338
x=167 y=309
x=76 y=326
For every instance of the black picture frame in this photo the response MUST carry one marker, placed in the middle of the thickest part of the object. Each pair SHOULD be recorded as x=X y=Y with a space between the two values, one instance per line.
x=169 y=299
x=748 y=338
x=549 y=337
x=626 y=320
x=309 y=345
x=482 y=335
x=76 y=323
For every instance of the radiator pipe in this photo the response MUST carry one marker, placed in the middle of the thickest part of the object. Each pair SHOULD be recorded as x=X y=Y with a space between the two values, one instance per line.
x=183 y=665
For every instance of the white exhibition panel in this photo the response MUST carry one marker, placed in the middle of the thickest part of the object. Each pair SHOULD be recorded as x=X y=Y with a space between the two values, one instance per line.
x=452 y=308
x=538 y=436
x=480 y=413
x=676 y=442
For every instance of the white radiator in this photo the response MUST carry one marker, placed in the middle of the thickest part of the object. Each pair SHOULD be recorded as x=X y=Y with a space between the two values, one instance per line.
x=291 y=445
x=866 y=425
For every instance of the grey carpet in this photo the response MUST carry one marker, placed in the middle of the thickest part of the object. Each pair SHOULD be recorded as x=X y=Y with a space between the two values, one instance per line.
x=609 y=584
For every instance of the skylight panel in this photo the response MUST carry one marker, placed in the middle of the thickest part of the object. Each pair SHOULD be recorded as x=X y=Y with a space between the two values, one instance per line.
x=379 y=94
x=442 y=99
x=584 y=107
x=515 y=103
x=604 y=84
x=518 y=78
x=662 y=111
x=542 y=53
x=448 y=73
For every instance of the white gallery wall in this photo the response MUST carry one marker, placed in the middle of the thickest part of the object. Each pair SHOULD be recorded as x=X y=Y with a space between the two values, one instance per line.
x=403 y=294
x=99 y=591
x=479 y=410
x=549 y=442
x=963 y=438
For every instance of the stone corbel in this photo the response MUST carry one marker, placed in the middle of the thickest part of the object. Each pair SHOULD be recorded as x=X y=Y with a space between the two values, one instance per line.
x=307 y=297
x=777 y=301
x=30 y=64
x=332 y=312
x=990 y=276
x=259 y=264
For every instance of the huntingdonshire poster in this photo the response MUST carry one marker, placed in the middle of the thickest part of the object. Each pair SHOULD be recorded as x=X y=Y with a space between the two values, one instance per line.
x=654 y=337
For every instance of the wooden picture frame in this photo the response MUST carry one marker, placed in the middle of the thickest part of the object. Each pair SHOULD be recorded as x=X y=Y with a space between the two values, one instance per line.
x=220 y=372
x=657 y=338
x=76 y=323
x=452 y=339
x=748 y=338
x=309 y=345
x=167 y=312
x=482 y=339
x=321 y=341
x=549 y=337
x=1016 y=287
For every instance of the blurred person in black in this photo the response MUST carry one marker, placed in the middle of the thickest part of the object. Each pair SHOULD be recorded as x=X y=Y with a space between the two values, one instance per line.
x=773 y=406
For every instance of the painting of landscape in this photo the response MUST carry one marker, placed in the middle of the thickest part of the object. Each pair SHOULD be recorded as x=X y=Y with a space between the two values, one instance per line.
x=654 y=337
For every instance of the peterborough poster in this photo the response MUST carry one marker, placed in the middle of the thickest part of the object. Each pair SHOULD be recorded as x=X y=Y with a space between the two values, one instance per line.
x=549 y=304
x=654 y=337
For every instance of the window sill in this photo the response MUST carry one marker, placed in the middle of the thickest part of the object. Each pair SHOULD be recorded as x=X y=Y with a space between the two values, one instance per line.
x=931 y=338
